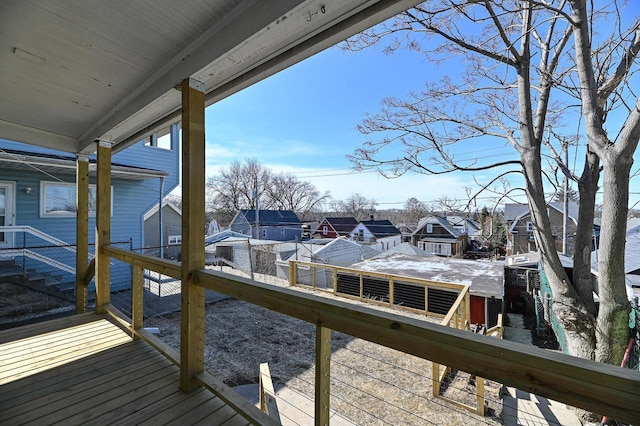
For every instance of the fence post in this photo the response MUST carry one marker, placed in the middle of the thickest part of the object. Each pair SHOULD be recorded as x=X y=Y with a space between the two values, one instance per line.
x=335 y=282
x=293 y=273
x=467 y=307
x=323 y=375
x=268 y=403
x=137 y=308
x=391 y=286
x=435 y=378
x=480 y=396
x=426 y=300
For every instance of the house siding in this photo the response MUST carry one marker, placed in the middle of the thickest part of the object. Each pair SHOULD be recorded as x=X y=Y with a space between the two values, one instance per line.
x=171 y=225
x=131 y=198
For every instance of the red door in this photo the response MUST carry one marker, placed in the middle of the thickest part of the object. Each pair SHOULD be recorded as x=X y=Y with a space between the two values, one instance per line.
x=477 y=310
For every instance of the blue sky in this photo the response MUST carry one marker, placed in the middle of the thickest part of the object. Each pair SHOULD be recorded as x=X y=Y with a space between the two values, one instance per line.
x=303 y=120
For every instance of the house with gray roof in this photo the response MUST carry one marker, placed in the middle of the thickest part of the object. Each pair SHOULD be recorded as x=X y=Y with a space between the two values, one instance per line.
x=435 y=234
x=276 y=225
x=379 y=234
x=334 y=227
x=520 y=237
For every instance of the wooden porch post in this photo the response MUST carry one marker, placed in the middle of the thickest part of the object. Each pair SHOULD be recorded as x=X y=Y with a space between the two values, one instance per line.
x=193 y=190
x=82 y=231
x=323 y=376
x=103 y=226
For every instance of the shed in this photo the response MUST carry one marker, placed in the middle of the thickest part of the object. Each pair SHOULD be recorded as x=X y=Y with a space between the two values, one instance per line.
x=485 y=279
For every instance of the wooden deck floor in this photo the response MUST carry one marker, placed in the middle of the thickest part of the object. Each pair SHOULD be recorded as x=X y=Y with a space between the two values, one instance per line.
x=87 y=370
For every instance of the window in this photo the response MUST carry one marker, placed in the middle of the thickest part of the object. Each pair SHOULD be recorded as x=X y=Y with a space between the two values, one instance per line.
x=437 y=248
x=429 y=228
x=175 y=239
x=162 y=139
x=58 y=199
x=529 y=227
x=325 y=230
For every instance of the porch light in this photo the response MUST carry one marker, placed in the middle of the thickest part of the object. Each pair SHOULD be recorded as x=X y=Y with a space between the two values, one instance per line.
x=27 y=190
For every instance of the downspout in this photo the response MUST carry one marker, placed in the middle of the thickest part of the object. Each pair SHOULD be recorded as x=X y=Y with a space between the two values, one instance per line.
x=160 y=221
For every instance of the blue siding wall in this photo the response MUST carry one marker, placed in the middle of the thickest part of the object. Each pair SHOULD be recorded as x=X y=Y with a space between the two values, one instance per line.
x=131 y=199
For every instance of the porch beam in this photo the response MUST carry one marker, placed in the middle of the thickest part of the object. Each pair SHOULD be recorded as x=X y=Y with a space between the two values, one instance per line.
x=103 y=226
x=193 y=191
x=82 y=231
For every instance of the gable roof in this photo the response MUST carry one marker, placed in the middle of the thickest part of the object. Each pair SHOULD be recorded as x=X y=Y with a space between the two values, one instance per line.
x=437 y=220
x=515 y=212
x=271 y=217
x=153 y=210
x=405 y=248
x=381 y=228
x=342 y=225
x=223 y=235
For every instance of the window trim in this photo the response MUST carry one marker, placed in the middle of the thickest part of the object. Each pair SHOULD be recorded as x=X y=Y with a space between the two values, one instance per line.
x=44 y=185
x=174 y=240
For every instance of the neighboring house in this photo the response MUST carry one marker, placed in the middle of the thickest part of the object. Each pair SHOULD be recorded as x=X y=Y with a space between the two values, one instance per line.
x=485 y=279
x=520 y=237
x=241 y=252
x=379 y=234
x=38 y=190
x=336 y=252
x=163 y=233
x=465 y=225
x=276 y=225
x=631 y=259
x=334 y=227
x=406 y=232
x=436 y=235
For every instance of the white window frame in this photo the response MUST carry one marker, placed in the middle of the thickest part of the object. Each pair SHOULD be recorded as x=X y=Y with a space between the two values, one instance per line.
x=530 y=227
x=70 y=199
x=325 y=230
x=429 y=228
x=174 y=240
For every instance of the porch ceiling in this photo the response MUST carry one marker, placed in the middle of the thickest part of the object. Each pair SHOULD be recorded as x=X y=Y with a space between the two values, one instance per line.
x=77 y=71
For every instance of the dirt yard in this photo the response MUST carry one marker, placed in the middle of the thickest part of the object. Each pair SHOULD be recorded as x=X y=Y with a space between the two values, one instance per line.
x=371 y=384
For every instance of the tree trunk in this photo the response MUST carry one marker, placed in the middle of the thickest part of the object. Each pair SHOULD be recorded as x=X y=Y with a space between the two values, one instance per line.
x=613 y=315
x=567 y=306
x=583 y=279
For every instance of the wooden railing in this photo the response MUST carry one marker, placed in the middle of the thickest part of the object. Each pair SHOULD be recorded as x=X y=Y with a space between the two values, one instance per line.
x=596 y=387
x=377 y=288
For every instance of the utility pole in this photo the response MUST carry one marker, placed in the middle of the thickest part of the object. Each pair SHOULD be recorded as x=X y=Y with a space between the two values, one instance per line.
x=256 y=198
x=565 y=221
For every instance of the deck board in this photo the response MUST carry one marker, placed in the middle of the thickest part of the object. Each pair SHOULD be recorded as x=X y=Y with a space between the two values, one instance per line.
x=86 y=369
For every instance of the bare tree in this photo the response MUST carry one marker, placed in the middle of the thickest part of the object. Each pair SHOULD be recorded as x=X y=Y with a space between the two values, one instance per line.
x=415 y=210
x=356 y=205
x=287 y=192
x=531 y=71
x=249 y=184
x=237 y=187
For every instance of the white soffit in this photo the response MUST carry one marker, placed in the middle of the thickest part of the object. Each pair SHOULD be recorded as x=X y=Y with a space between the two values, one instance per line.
x=77 y=71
